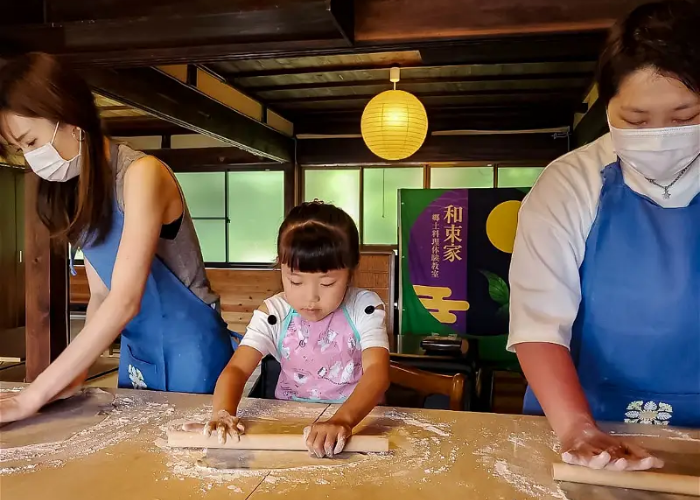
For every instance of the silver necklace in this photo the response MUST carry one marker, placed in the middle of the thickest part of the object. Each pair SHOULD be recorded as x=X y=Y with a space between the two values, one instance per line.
x=667 y=195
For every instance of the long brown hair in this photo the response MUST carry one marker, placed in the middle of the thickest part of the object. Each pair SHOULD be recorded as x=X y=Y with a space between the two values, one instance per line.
x=36 y=85
x=318 y=237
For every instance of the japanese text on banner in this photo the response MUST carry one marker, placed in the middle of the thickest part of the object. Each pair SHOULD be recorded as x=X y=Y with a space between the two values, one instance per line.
x=435 y=249
x=452 y=250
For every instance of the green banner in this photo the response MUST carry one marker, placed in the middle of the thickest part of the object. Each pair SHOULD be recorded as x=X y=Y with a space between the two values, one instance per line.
x=454 y=249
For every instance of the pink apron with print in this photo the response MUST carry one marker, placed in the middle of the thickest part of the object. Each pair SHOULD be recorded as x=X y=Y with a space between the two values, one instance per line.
x=322 y=361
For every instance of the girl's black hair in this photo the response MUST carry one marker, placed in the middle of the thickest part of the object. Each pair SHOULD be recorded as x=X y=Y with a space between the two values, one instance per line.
x=317 y=237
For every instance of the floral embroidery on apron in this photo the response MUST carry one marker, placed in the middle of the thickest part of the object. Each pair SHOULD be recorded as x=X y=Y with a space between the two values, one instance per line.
x=650 y=412
x=136 y=378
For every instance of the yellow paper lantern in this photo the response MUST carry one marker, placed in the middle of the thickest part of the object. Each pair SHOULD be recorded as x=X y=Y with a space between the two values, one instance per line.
x=394 y=125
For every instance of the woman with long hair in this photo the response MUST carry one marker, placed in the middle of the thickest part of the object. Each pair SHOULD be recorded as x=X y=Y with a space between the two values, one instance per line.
x=126 y=212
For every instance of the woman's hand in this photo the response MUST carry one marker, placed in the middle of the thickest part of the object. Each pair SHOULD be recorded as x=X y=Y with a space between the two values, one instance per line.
x=225 y=425
x=327 y=439
x=17 y=407
x=590 y=447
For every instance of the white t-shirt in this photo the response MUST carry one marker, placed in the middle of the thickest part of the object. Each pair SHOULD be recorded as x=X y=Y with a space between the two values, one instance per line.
x=554 y=222
x=264 y=337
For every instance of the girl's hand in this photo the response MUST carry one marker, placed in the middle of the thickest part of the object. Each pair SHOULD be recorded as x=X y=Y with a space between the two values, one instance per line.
x=590 y=447
x=17 y=407
x=327 y=439
x=225 y=425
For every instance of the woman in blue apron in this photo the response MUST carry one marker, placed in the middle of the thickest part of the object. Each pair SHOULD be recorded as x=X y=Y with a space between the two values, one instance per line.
x=605 y=306
x=126 y=211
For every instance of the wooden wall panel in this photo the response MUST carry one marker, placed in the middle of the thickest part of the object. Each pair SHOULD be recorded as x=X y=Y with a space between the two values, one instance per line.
x=79 y=288
x=243 y=290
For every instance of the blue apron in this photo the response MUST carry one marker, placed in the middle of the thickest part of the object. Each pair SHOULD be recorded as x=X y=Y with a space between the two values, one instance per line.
x=177 y=342
x=636 y=339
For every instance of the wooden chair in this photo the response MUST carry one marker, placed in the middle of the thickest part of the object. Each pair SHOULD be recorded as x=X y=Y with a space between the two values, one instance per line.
x=427 y=384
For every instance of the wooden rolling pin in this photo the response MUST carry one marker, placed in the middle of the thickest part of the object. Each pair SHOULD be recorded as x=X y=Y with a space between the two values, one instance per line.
x=647 y=481
x=287 y=442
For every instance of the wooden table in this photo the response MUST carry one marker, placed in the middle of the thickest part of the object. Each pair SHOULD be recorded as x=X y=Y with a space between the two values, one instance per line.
x=435 y=454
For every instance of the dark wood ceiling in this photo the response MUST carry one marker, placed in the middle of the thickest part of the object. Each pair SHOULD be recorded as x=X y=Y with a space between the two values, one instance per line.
x=475 y=64
x=326 y=95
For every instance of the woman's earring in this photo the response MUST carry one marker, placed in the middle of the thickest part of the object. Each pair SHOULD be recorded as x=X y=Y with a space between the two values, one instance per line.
x=81 y=134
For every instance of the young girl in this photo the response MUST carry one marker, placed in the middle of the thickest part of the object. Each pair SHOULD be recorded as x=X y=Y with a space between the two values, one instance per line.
x=329 y=337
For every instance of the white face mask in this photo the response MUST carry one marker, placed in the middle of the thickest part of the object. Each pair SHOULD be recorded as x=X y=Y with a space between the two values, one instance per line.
x=657 y=153
x=48 y=164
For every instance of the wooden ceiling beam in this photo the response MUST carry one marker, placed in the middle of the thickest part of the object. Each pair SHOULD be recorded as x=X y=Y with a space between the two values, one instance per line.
x=373 y=71
x=134 y=32
x=541 y=148
x=132 y=126
x=411 y=20
x=174 y=101
x=494 y=119
x=335 y=106
x=211 y=159
x=579 y=46
x=428 y=88
x=517 y=94
x=406 y=79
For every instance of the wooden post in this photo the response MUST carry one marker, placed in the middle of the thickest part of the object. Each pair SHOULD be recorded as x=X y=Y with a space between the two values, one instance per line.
x=8 y=250
x=46 y=289
x=289 y=187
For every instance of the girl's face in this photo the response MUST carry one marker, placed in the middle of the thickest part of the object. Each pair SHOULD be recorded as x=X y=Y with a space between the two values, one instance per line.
x=647 y=99
x=29 y=134
x=315 y=295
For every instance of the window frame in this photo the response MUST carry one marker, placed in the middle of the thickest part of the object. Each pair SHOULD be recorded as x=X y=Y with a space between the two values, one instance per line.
x=224 y=218
x=294 y=187
x=288 y=189
x=287 y=205
x=290 y=174
x=427 y=169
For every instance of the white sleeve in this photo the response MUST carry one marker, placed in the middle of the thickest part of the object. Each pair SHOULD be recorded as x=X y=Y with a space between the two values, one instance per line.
x=550 y=242
x=262 y=334
x=370 y=323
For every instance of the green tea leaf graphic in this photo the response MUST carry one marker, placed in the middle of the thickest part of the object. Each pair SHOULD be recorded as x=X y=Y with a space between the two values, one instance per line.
x=498 y=288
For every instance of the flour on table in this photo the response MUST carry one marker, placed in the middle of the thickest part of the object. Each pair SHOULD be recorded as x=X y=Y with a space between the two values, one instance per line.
x=511 y=459
x=431 y=452
x=408 y=420
x=10 y=389
x=77 y=427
